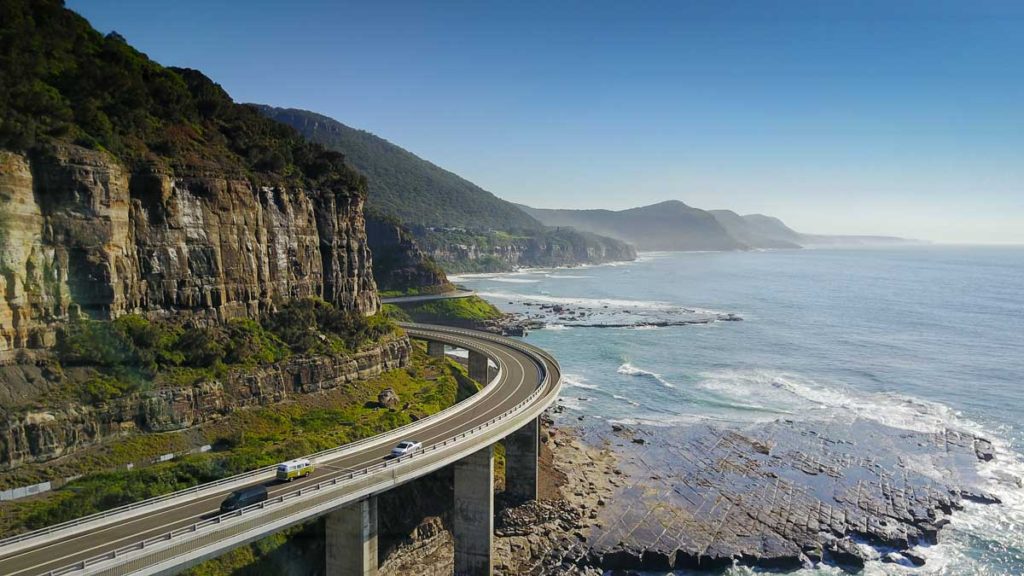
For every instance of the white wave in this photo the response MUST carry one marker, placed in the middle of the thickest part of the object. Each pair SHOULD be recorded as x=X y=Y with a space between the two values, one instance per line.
x=557 y=327
x=588 y=302
x=650 y=256
x=570 y=403
x=794 y=393
x=994 y=530
x=644 y=327
x=626 y=400
x=514 y=280
x=663 y=420
x=567 y=276
x=630 y=370
x=578 y=381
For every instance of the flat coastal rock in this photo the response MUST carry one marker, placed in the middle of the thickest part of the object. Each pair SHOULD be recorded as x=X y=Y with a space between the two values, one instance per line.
x=779 y=495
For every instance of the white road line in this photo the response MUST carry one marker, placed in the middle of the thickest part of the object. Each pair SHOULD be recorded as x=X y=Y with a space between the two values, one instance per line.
x=495 y=348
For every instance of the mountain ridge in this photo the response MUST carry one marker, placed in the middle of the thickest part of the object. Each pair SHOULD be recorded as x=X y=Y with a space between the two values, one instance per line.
x=462 y=226
x=673 y=225
x=668 y=225
x=434 y=197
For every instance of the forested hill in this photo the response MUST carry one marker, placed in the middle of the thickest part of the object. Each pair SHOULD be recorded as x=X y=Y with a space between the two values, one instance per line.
x=669 y=225
x=61 y=81
x=406 y=186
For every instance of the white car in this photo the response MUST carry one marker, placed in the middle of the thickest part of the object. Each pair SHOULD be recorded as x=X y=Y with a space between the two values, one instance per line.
x=405 y=447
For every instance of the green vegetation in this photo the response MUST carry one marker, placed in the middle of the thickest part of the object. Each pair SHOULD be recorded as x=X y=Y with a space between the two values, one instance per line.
x=132 y=353
x=245 y=440
x=405 y=185
x=415 y=291
x=548 y=247
x=62 y=81
x=312 y=326
x=471 y=309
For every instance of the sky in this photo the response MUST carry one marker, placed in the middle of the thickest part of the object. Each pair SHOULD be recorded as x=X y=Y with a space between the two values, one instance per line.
x=870 y=117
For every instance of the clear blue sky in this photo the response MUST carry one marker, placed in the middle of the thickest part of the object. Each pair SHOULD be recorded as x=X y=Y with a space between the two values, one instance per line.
x=880 y=117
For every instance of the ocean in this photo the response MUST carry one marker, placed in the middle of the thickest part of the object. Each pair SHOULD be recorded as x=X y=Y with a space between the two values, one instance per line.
x=917 y=338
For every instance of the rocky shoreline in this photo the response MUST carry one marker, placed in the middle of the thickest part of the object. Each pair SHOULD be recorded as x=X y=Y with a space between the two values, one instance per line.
x=531 y=315
x=779 y=496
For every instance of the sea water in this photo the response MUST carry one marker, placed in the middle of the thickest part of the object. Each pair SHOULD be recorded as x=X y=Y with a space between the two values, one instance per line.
x=921 y=338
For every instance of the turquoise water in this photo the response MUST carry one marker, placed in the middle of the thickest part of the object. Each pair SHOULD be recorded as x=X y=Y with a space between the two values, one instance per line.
x=918 y=338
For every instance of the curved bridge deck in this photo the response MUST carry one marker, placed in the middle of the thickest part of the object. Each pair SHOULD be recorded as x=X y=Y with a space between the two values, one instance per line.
x=168 y=534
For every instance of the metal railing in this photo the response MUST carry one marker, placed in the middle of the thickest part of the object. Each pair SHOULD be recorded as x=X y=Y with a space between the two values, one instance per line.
x=266 y=471
x=198 y=535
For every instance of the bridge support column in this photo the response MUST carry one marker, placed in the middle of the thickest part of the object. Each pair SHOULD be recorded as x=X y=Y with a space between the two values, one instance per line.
x=522 y=451
x=351 y=534
x=435 y=349
x=478 y=367
x=473 y=518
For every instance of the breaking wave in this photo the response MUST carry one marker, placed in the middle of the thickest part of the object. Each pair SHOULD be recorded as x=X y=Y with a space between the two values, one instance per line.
x=775 y=390
x=630 y=370
x=582 y=302
x=513 y=280
x=577 y=381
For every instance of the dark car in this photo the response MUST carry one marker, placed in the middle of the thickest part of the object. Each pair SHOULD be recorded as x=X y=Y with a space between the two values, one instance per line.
x=244 y=497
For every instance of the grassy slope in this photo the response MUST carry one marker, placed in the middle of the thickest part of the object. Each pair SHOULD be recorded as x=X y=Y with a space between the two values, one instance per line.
x=471 y=309
x=245 y=440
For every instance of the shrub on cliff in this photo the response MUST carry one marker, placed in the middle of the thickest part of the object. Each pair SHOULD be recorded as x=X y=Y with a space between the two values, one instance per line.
x=132 y=351
x=103 y=388
x=102 y=344
x=313 y=326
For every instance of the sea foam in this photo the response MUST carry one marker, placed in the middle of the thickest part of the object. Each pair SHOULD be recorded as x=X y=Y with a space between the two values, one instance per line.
x=630 y=370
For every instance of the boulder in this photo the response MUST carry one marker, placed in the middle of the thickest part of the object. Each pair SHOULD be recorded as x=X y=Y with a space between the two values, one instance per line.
x=388 y=399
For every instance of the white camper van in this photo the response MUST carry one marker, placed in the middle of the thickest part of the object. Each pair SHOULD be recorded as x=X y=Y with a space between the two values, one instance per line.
x=298 y=468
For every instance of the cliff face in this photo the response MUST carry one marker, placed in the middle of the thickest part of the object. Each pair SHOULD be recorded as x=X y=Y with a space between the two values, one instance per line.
x=42 y=435
x=81 y=234
x=399 y=264
x=556 y=247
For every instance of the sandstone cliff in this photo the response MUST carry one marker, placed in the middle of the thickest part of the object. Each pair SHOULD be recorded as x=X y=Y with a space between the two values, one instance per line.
x=47 y=433
x=82 y=234
x=399 y=264
x=459 y=251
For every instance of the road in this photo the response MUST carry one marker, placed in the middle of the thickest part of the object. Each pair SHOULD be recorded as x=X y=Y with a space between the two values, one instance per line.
x=523 y=370
x=428 y=297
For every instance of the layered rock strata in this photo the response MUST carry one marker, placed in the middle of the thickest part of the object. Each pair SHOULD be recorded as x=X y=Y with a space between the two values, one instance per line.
x=41 y=435
x=81 y=234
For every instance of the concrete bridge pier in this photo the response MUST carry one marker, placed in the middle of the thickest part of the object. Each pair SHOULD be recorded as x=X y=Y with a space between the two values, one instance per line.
x=473 y=514
x=435 y=349
x=351 y=534
x=522 y=452
x=478 y=367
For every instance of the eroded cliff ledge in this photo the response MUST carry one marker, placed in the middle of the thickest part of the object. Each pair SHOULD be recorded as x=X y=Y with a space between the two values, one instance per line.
x=43 y=434
x=82 y=234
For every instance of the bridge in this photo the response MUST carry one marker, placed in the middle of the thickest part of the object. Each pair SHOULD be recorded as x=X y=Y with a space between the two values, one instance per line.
x=170 y=533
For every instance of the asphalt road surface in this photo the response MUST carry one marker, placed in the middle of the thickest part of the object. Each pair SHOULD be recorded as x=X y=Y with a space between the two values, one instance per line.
x=521 y=376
